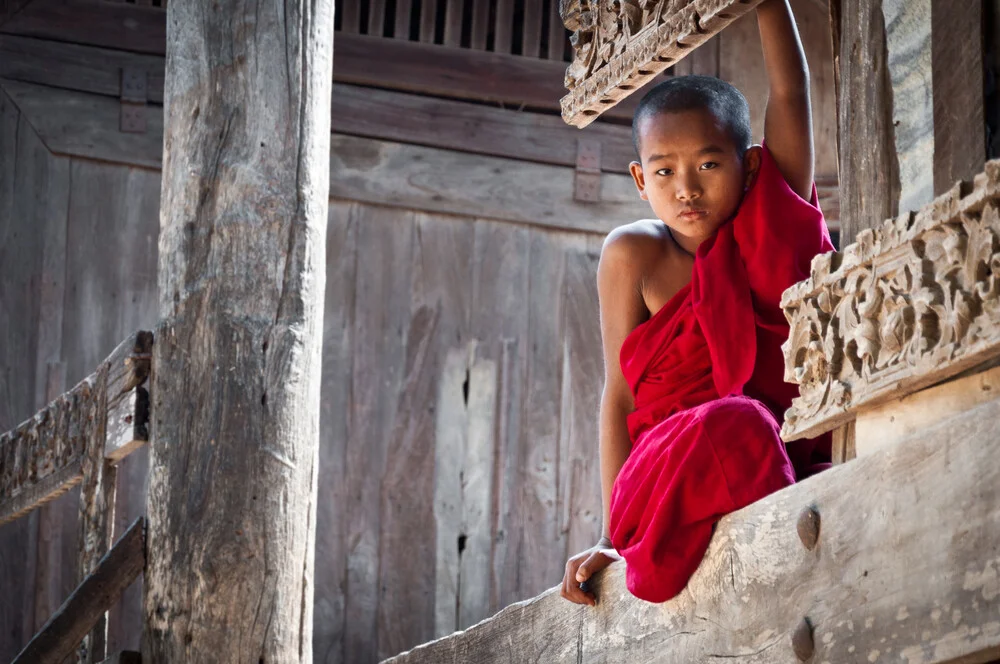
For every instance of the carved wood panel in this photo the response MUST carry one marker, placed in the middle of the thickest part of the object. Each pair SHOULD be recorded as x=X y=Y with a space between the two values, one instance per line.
x=620 y=45
x=909 y=304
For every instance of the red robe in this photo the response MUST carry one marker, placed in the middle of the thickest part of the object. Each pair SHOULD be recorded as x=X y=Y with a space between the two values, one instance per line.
x=707 y=373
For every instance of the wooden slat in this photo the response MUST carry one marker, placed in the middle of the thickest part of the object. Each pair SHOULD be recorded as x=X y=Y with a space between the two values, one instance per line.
x=379 y=352
x=908 y=41
x=361 y=111
x=500 y=325
x=912 y=556
x=376 y=17
x=503 y=27
x=869 y=188
x=419 y=462
x=480 y=25
x=428 y=19
x=361 y=59
x=540 y=420
x=531 y=32
x=527 y=193
x=350 y=18
x=453 y=18
x=97 y=504
x=332 y=545
x=957 y=74
x=580 y=508
x=558 y=35
x=401 y=29
x=88 y=603
x=444 y=181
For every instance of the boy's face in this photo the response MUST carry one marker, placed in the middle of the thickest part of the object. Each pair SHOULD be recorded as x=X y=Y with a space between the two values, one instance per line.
x=691 y=172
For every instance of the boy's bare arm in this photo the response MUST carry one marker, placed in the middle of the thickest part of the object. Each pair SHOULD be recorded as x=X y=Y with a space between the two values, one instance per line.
x=788 y=120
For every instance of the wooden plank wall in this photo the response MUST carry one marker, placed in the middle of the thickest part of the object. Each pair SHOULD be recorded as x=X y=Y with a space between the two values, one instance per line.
x=462 y=372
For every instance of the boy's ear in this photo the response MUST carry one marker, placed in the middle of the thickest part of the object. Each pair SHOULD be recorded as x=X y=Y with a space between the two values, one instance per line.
x=635 y=168
x=751 y=165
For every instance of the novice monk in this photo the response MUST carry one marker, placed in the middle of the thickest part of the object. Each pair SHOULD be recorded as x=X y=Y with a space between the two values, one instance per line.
x=690 y=319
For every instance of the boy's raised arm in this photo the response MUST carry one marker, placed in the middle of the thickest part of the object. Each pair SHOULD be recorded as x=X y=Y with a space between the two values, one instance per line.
x=788 y=120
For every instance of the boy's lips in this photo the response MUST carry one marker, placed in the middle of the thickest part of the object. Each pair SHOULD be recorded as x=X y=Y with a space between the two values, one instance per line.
x=693 y=213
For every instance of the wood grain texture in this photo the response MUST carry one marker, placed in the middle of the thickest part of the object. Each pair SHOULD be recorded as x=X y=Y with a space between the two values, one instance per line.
x=238 y=367
x=541 y=536
x=579 y=494
x=869 y=188
x=91 y=599
x=957 y=76
x=358 y=111
x=499 y=320
x=379 y=348
x=332 y=545
x=434 y=180
x=757 y=581
x=908 y=40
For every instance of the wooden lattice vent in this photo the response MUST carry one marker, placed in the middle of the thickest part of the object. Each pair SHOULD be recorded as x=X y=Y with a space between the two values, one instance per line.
x=530 y=28
x=620 y=45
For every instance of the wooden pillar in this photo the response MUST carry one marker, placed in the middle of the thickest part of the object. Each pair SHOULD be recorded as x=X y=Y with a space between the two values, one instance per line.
x=957 y=73
x=868 y=165
x=869 y=172
x=237 y=358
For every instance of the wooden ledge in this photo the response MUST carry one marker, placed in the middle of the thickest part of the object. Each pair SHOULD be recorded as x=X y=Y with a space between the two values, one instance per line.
x=880 y=584
x=908 y=305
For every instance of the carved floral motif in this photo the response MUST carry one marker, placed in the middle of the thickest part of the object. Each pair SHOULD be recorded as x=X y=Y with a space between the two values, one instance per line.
x=909 y=304
x=619 y=45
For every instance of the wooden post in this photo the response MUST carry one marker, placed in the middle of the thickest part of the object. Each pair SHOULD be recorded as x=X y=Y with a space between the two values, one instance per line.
x=235 y=412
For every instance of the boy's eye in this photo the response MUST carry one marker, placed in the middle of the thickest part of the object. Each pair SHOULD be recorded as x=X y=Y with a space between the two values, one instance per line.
x=709 y=165
x=664 y=171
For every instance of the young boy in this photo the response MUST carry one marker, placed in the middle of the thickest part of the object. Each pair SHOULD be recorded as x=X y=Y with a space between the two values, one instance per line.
x=690 y=320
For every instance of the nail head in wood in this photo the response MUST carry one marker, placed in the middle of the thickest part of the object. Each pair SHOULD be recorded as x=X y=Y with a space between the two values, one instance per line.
x=808 y=528
x=802 y=641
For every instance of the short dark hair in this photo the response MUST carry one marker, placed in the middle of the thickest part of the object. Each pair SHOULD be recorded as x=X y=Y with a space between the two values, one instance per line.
x=687 y=93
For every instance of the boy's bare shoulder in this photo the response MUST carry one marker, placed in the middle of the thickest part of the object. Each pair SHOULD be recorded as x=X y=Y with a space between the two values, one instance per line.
x=637 y=245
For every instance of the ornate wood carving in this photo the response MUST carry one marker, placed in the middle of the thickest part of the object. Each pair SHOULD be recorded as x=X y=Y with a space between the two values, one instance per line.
x=619 y=45
x=909 y=304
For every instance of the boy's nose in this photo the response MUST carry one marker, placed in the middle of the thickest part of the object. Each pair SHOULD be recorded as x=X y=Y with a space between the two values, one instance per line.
x=688 y=191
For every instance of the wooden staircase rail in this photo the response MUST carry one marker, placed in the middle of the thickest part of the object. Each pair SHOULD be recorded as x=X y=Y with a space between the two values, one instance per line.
x=86 y=606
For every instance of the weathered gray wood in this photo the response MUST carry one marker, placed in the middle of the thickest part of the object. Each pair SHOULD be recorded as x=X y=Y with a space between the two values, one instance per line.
x=438 y=327
x=8 y=8
x=380 y=342
x=869 y=187
x=580 y=510
x=124 y=657
x=237 y=381
x=908 y=39
x=901 y=590
x=97 y=504
x=540 y=423
x=433 y=180
x=90 y=601
x=499 y=321
x=86 y=125
x=332 y=545
x=957 y=75
x=384 y=173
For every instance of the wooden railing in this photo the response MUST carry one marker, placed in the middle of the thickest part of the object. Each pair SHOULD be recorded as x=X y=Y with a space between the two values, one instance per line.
x=78 y=439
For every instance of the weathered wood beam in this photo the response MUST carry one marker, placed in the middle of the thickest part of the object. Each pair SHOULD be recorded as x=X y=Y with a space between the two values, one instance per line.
x=616 y=52
x=903 y=570
x=957 y=75
x=9 y=8
x=382 y=172
x=44 y=456
x=235 y=436
x=363 y=60
x=90 y=601
x=908 y=305
x=869 y=169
